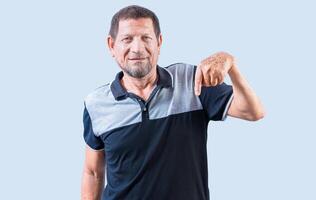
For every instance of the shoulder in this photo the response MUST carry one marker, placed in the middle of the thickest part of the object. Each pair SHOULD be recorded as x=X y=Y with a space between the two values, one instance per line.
x=182 y=73
x=180 y=67
x=101 y=93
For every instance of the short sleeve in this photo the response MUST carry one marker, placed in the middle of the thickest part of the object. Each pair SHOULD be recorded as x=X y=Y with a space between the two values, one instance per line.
x=216 y=101
x=90 y=138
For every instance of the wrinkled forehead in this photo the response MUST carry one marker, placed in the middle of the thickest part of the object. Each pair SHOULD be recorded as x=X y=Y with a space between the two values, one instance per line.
x=135 y=26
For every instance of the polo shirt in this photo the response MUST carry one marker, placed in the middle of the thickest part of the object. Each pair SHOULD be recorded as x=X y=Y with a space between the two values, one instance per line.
x=155 y=149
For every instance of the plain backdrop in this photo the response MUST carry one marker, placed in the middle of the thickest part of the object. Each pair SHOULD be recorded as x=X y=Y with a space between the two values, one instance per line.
x=53 y=53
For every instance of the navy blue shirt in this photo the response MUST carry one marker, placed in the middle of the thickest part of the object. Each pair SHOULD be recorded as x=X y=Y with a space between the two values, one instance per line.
x=155 y=149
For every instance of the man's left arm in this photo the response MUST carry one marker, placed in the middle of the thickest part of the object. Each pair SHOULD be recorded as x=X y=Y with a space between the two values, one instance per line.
x=245 y=104
x=212 y=71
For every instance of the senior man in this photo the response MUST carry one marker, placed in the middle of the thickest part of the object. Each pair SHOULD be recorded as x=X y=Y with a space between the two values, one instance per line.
x=147 y=129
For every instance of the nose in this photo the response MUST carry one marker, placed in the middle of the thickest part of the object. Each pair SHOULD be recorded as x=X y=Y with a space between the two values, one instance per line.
x=137 y=46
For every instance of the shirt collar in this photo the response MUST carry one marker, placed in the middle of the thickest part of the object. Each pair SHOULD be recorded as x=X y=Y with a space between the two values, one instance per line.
x=119 y=93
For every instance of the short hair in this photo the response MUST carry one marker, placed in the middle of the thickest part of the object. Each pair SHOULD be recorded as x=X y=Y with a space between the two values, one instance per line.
x=133 y=12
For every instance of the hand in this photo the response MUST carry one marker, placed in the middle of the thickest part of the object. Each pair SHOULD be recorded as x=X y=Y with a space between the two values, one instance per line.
x=212 y=70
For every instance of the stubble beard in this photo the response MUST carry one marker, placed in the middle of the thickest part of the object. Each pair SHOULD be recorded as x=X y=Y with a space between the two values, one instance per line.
x=138 y=70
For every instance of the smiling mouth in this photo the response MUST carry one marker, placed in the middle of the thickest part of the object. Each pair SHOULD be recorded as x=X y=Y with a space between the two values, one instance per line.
x=136 y=59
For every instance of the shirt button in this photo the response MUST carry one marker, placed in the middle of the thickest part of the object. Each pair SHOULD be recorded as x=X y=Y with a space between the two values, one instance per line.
x=145 y=109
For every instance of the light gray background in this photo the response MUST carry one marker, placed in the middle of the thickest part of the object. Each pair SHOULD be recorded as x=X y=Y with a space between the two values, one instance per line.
x=53 y=54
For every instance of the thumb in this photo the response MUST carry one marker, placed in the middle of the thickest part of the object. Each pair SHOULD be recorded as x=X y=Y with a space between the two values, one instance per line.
x=198 y=81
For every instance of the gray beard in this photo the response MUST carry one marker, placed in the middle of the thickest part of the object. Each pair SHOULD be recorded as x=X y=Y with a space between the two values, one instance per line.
x=139 y=72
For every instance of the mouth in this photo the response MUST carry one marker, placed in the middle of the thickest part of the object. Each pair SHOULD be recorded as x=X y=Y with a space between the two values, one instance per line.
x=136 y=59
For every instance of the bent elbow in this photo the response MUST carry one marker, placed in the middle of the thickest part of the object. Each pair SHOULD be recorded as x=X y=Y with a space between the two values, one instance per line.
x=257 y=116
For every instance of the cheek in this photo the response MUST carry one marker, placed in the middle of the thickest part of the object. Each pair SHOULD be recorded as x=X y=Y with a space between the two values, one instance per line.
x=120 y=54
x=153 y=50
x=156 y=52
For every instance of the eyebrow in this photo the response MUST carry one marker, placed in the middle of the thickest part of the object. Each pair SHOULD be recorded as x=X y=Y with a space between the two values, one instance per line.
x=129 y=35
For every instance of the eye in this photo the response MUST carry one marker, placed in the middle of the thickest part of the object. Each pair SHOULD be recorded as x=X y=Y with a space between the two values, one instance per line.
x=127 y=39
x=147 y=38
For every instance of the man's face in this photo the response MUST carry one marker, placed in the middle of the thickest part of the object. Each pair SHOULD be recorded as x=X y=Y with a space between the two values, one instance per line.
x=136 y=47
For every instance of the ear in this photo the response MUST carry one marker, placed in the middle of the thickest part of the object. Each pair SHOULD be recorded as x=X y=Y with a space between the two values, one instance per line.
x=159 y=42
x=110 y=43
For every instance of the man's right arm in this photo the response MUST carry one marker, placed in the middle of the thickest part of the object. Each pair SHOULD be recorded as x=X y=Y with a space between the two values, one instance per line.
x=93 y=174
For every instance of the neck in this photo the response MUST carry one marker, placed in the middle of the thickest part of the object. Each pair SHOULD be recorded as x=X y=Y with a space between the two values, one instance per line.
x=140 y=86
